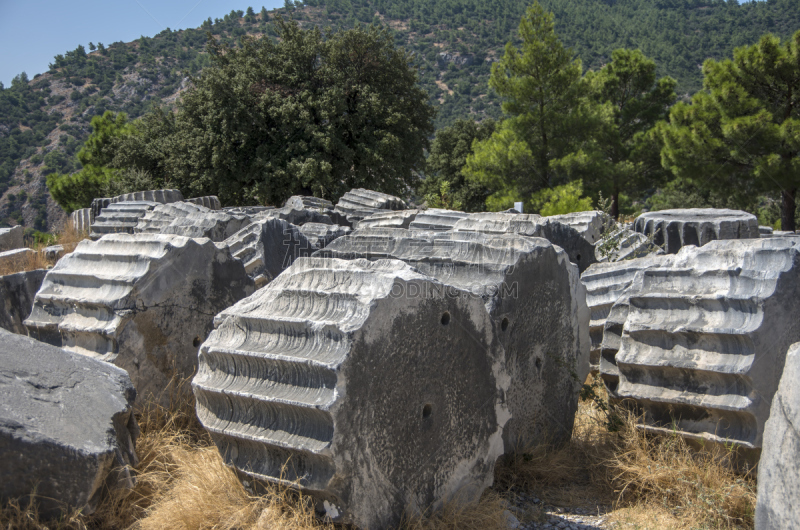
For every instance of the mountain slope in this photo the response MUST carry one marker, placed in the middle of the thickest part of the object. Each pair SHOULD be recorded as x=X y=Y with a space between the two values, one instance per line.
x=45 y=120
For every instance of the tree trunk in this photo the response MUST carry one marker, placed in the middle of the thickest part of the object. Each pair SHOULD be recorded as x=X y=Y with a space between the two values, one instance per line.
x=787 y=210
x=615 y=204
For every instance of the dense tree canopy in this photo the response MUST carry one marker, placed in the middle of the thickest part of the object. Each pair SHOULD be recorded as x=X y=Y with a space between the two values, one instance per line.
x=743 y=129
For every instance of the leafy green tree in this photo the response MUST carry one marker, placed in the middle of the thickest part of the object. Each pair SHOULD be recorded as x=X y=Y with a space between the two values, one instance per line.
x=303 y=114
x=743 y=130
x=543 y=99
x=77 y=190
x=623 y=154
x=448 y=154
x=563 y=199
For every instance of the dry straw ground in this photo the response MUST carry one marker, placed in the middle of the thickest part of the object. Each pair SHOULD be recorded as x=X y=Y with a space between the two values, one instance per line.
x=68 y=238
x=647 y=481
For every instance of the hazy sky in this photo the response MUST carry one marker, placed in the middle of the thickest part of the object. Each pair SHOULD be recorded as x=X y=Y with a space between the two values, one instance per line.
x=32 y=32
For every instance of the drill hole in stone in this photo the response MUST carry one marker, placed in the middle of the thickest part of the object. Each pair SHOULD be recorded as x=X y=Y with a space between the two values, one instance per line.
x=446 y=318
x=197 y=342
x=578 y=257
x=538 y=364
x=427 y=410
x=504 y=324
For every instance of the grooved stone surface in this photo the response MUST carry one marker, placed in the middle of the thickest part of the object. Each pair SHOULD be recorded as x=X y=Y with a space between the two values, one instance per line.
x=191 y=220
x=209 y=201
x=120 y=217
x=605 y=283
x=778 y=505
x=82 y=219
x=437 y=219
x=379 y=386
x=358 y=204
x=144 y=302
x=706 y=337
x=674 y=229
x=319 y=235
x=16 y=298
x=535 y=300
x=158 y=196
x=388 y=219
x=67 y=430
x=268 y=247
x=577 y=247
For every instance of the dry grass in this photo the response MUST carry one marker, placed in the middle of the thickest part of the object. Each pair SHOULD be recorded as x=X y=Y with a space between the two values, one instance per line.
x=648 y=481
x=68 y=237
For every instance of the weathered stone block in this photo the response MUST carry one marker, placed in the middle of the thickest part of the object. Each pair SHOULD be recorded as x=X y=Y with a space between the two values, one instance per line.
x=605 y=283
x=144 y=302
x=358 y=204
x=705 y=339
x=267 y=247
x=535 y=300
x=158 y=196
x=16 y=259
x=588 y=224
x=120 y=217
x=437 y=219
x=778 y=505
x=17 y=292
x=577 y=247
x=209 y=201
x=674 y=229
x=82 y=219
x=376 y=384
x=67 y=430
x=319 y=235
x=388 y=219
x=11 y=238
x=624 y=244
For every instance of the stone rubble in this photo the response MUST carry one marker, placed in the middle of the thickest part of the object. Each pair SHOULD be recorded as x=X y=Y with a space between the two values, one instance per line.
x=67 y=429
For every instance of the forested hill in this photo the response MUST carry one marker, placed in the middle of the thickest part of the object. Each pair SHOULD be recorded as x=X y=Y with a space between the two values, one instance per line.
x=44 y=121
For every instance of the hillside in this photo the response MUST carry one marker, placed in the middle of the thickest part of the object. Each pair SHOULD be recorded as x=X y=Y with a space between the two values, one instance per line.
x=44 y=121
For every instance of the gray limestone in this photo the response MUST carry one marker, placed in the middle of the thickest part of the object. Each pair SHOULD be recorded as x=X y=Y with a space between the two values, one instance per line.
x=674 y=229
x=209 y=201
x=319 y=235
x=588 y=224
x=437 y=219
x=191 y=220
x=249 y=211
x=11 y=238
x=16 y=298
x=778 y=504
x=706 y=336
x=53 y=252
x=120 y=217
x=67 y=430
x=296 y=216
x=144 y=302
x=82 y=219
x=97 y=206
x=605 y=283
x=300 y=202
x=535 y=300
x=388 y=219
x=158 y=196
x=765 y=231
x=358 y=204
x=268 y=246
x=573 y=240
x=369 y=385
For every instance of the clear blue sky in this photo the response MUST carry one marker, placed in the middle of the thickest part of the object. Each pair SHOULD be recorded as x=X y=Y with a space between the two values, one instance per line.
x=32 y=32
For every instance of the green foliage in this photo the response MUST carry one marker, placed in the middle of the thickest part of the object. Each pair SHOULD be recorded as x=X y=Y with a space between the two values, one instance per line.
x=76 y=190
x=559 y=200
x=443 y=198
x=743 y=130
x=623 y=154
x=548 y=116
x=306 y=114
x=448 y=153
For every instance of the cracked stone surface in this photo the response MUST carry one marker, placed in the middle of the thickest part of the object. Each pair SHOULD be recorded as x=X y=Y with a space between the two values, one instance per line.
x=381 y=387
x=67 y=430
x=144 y=302
x=778 y=504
